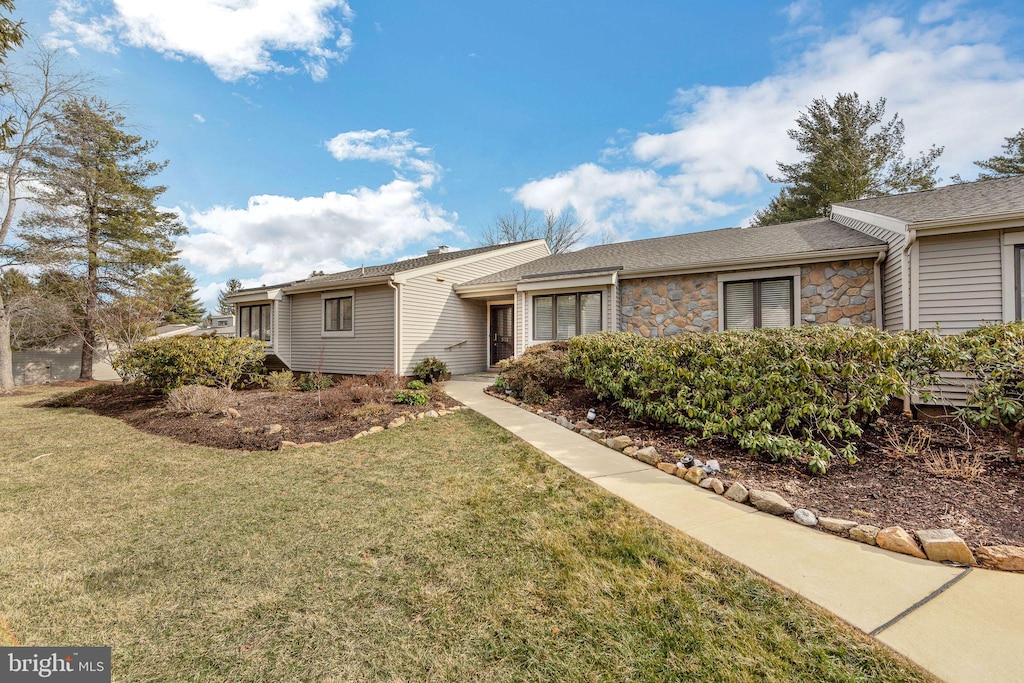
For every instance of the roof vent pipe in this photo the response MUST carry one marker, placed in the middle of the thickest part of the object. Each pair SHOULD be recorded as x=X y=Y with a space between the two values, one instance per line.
x=441 y=249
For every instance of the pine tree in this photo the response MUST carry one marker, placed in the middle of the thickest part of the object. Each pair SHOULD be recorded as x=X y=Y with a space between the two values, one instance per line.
x=223 y=307
x=851 y=152
x=97 y=216
x=1010 y=163
x=172 y=290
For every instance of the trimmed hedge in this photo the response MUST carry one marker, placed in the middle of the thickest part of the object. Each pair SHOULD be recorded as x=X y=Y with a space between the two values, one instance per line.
x=798 y=393
x=166 y=364
x=992 y=357
x=538 y=373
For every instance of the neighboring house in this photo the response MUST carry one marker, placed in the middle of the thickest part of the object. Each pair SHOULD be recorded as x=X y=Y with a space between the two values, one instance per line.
x=948 y=258
x=59 y=361
x=221 y=325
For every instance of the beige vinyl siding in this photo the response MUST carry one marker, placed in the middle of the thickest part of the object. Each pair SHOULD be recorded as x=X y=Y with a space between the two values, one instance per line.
x=371 y=347
x=892 y=270
x=281 y=341
x=960 y=288
x=437 y=322
x=57 y=363
x=522 y=324
x=959 y=281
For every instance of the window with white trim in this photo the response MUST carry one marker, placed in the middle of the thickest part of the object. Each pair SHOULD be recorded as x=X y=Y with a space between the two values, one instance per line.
x=759 y=303
x=338 y=314
x=1018 y=263
x=560 y=316
x=255 y=322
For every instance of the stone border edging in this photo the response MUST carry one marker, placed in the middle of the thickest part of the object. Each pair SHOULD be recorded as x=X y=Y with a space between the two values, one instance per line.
x=937 y=545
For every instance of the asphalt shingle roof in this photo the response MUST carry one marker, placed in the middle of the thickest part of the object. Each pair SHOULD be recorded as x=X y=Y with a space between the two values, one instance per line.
x=385 y=269
x=966 y=200
x=695 y=249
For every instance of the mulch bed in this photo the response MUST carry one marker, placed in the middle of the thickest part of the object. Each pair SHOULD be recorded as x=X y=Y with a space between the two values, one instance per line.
x=302 y=417
x=884 y=488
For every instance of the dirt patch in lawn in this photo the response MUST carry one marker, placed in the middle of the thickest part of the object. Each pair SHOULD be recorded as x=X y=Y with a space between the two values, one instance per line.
x=303 y=415
x=891 y=484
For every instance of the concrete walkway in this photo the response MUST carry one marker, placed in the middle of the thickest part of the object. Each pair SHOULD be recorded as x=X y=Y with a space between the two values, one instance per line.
x=960 y=624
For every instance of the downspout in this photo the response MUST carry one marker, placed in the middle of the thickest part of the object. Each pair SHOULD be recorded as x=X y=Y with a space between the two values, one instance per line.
x=908 y=271
x=398 y=326
x=878 y=291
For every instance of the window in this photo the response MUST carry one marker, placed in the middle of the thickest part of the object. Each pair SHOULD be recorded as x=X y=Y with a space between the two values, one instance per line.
x=338 y=314
x=759 y=303
x=560 y=316
x=255 y=322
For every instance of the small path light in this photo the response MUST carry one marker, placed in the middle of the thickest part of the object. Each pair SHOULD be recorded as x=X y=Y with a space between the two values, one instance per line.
x=591 y=415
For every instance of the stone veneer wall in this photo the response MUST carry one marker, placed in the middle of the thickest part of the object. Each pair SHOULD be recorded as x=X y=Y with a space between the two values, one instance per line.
x=838 y=292
x=663 y=306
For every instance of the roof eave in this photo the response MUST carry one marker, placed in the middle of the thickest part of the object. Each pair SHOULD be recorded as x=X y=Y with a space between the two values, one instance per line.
x=988 y=221
x=759 y=261
x=339 y=284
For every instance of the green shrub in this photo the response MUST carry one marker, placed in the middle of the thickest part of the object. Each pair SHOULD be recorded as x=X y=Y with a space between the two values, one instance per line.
x=412 y=398
x=537 y=374
x=798 y=393
x=431 y=369
x=416 y=384
x=166 y=364
x=315 y=381
x=992 y=357
x=281 y=381
x=499 y=383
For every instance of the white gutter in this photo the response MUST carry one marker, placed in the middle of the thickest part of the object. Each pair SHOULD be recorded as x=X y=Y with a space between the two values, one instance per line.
x=909 y=279
x=398 y=326
x=743 y=264
x=878 y=289
x=301 y=288
x=969 y=223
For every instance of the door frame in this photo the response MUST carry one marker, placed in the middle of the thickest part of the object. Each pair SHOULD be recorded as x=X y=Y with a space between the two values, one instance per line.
x=487 y=329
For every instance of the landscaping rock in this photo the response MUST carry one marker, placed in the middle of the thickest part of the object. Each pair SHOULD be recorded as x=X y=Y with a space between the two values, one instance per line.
x=581 y=425
x=361 y=435
x=420 y=416
x=942 y=545
x=431 y=413
x=667 y=467
x=397 y=422
x=309 y=444
x=770 y=502
x=835 y=524
x=232 y=413
x=284 y=445
x=619 y=442
x=650 y=456
x=442 y=413
x=695 y=475
x=896 y=539
x=563 y=421
x=272 y=429
x=375 y=429
x=631 y=451
x=805 y=517
x=738 y=492
x=713 y=484
x=865 y=533
x=712 y=466
x=1009 y=558
x=597 y=435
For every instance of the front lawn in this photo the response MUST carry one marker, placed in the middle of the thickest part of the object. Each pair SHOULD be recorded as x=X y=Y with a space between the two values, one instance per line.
x=443 y=550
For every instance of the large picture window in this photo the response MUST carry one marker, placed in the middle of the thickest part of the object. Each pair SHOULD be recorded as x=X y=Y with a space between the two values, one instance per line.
x=560 y=316
x=759 y=303
x=338 y=314
x=1018 y=263
x=255 y=322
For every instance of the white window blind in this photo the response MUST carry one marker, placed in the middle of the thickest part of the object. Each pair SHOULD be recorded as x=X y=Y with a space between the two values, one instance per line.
x=565 y=311
x=590 y=313
x=776 y=303
x=739 y=305
x=543 y=327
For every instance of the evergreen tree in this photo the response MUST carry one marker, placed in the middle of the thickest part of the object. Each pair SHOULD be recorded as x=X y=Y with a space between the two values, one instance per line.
x=851 y=152
x=1010 y=163
x=172 y=290
x=223 y=307
x=96 y=214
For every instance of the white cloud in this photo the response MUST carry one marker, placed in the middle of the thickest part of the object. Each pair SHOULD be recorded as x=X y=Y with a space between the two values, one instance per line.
x=199 y=117
x=395 y=148
x=235 y=38
x=950 y=80
x=283 y=238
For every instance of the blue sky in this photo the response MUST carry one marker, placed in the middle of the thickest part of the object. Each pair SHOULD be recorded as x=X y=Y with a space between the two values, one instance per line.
x=325 y=134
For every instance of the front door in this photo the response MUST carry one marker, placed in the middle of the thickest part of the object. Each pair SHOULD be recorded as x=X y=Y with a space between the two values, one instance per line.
x=502 y=326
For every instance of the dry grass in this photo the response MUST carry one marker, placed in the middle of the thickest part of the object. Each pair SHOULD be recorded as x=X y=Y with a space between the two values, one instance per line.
x=369 y=410
x=914 y=443
x=950 y=465
x=444 y=551
x=197 y=400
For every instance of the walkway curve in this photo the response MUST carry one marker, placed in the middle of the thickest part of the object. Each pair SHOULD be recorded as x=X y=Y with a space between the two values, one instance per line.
x=959 y=624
